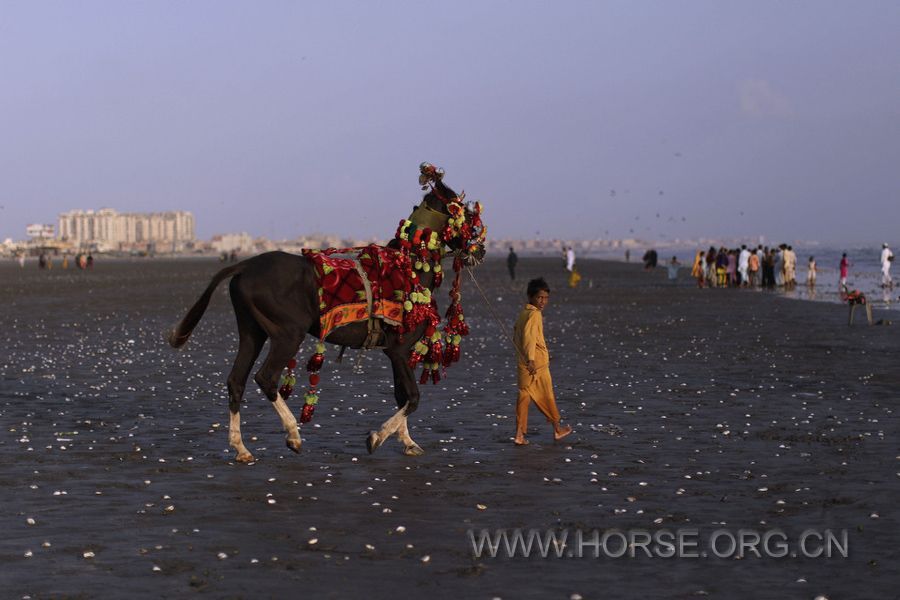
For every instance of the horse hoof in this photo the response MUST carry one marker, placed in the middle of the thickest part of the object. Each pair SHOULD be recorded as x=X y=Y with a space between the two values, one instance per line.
x=373 y=441
x=244 y=457
x=413 y=450
x=294 y=445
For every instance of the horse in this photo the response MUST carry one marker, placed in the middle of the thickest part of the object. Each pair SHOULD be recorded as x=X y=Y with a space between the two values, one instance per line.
x=275 y=297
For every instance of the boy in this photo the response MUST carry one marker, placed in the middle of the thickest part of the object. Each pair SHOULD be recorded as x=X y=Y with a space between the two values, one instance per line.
x=535 y=384
x=673 y=270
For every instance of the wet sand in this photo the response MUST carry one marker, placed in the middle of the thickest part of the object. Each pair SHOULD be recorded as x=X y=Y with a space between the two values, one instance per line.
x=692 y=408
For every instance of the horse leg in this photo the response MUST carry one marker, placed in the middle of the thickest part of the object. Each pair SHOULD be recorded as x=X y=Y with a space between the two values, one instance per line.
x=406 y=392
x=410 y=448
x=281 y=350
x=252 y=338
x=388 y=428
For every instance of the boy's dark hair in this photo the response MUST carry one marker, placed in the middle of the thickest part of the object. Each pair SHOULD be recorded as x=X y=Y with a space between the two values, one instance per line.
x=537 y=285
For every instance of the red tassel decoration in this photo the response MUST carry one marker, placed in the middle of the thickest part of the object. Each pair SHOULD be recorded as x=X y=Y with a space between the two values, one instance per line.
x=312 y=396
x=315 y=362
x=306 y=414
x=286 y=385
x=436 y=354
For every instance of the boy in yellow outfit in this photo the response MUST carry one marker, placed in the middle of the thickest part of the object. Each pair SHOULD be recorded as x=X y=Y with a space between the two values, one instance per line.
x=535 y=384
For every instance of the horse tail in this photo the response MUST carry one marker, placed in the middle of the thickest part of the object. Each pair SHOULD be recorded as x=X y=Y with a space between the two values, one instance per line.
x=178 y=337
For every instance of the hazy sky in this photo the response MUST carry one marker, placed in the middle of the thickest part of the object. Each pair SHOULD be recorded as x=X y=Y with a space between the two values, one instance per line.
x=571 y=119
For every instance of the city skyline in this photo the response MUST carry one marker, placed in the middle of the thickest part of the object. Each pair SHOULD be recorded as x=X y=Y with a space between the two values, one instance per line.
x=578 y=121
x=108 y=230
x=59 y=231
x=113 y=230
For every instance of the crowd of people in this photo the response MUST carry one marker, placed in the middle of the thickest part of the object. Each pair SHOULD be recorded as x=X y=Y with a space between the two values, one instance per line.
x=45 y=261
x=743 y=267
x=763 y=266
x=767 y=267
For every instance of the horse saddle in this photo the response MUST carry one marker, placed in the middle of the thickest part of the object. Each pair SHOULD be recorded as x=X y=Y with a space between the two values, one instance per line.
x=359 y=284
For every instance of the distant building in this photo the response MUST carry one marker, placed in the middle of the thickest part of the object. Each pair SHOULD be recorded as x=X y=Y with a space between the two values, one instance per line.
x=228 y=242
x=39 y=231
x=108 y=229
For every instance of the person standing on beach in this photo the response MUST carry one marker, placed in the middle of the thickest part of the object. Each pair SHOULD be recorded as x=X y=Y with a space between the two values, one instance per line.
x=790 y=267
x=768 y=279
x=731 y=268
x=698 y=271
x=779 y=265
x=570 y=259
x=845 y=269
x=533 y=362
x=722 y=267
x=511 y=260
x=673 y=270
x=887 y=257
x=744 y=265
x=753 y=269
x=760 y=258
x=811 y=272
x=711 y=267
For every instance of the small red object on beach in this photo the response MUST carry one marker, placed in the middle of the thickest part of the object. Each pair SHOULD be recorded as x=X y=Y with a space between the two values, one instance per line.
x=856 y=297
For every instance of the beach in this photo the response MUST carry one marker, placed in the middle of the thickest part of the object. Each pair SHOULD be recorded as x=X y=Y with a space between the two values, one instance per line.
x=708 y=409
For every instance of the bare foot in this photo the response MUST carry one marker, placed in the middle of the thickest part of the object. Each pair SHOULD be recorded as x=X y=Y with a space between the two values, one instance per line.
x=520 y=441
x=562 y=432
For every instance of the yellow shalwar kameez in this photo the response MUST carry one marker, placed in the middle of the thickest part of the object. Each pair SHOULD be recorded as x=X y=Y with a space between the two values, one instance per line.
x=528 y=338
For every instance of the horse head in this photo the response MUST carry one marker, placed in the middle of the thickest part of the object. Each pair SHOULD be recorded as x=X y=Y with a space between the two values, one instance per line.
x=457 y=222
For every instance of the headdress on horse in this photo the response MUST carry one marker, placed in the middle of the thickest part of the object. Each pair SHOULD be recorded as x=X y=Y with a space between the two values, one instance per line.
x=428 y=174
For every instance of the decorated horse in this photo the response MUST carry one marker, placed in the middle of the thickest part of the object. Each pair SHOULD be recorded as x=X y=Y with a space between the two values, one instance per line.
x=368 y=297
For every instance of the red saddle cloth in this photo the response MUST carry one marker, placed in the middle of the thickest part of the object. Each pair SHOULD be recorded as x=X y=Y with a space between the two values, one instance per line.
x=342 y=293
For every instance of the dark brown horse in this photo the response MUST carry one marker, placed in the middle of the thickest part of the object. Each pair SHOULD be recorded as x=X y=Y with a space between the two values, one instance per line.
x=275 y=297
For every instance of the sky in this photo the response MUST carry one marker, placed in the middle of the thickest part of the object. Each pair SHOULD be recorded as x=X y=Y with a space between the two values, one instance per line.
x=570 y=119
